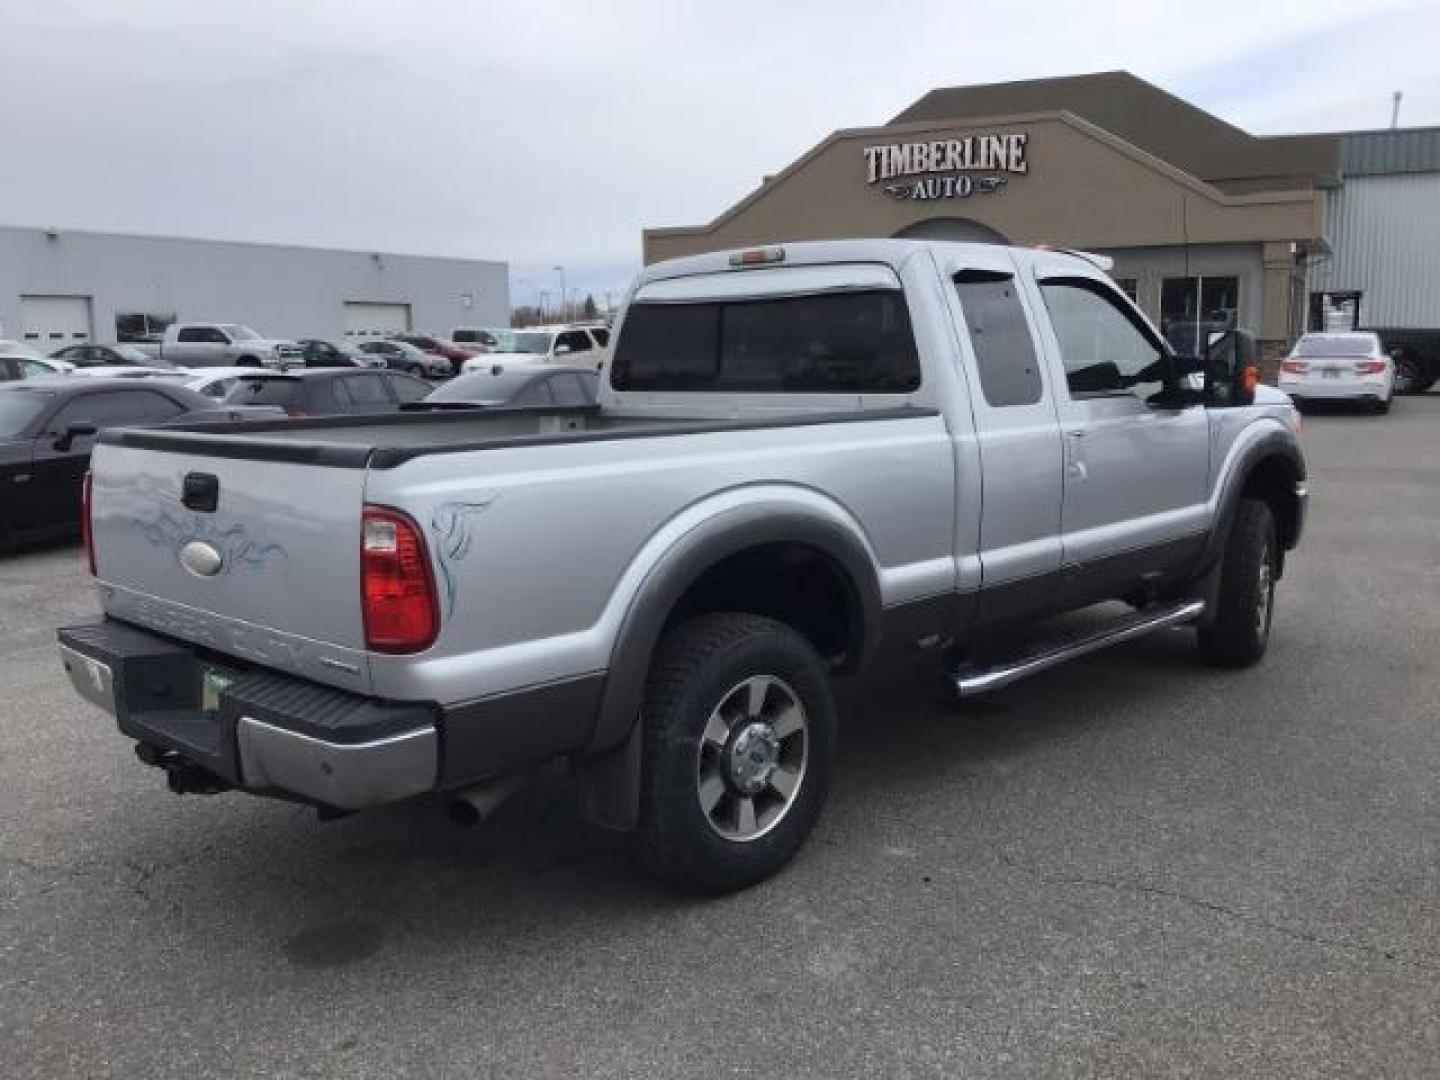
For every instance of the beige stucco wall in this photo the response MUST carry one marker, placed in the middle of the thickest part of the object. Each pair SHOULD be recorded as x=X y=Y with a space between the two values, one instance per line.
x=1084 y=188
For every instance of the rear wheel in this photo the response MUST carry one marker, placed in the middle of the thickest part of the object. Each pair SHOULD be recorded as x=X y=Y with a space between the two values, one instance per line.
x=1238 y=634
x=739 y=735
x=1409 y=374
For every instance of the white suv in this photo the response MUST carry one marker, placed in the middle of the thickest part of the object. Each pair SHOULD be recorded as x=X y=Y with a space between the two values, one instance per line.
x=582 y=346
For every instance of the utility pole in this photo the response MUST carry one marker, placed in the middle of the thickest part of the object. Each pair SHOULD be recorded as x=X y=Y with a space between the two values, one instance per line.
x=564 y=315
x=1395 y=108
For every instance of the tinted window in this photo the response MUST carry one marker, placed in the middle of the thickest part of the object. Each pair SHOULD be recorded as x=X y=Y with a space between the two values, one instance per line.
x=1004 y=352
x=115 y=409
x=34 y=369
x=577 y=340
x=194 y=333
x=407 y=389
x=857 y=342
x=601 y=335
x=19 y=410
x=367 y=393
x=1104 y=352
x=284 y=393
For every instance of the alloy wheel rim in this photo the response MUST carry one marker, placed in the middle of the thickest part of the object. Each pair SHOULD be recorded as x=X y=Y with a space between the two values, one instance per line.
x=752 y=758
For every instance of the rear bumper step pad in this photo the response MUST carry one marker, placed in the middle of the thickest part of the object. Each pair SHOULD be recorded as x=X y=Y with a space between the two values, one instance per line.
x=266 y=732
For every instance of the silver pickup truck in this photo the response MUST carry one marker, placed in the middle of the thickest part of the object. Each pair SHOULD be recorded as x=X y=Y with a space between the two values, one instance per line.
x=805 y=460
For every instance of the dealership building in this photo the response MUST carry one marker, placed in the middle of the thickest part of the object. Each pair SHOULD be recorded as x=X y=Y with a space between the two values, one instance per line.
x=59 y=287
x=1208 y=225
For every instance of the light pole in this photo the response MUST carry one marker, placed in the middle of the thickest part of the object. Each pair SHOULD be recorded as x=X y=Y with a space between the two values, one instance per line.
x=543 y=296
x=564 y=317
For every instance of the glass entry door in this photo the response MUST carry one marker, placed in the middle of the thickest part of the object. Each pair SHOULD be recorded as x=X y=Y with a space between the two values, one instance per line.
x=1193 y=308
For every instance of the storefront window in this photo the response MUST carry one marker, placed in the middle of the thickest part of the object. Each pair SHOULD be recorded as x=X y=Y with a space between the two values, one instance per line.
x=1193 y=308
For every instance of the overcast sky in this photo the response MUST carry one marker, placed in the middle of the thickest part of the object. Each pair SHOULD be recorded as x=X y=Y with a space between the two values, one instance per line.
x=551 y=132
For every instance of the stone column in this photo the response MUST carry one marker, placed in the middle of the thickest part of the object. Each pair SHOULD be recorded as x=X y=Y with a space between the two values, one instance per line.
x=1276 y=334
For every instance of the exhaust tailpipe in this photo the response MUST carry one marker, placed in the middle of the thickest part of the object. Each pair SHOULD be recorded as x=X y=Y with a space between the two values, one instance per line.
x=470 y=807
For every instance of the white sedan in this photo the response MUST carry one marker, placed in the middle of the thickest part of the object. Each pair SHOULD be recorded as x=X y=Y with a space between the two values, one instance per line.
x=1350 y=366
x=213 y=382
x=35 y=364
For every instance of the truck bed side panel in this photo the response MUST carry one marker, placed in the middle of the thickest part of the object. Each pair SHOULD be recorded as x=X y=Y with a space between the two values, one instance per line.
x=538 y=549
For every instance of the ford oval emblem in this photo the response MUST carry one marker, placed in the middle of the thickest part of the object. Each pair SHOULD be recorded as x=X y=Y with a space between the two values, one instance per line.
x=201 y=558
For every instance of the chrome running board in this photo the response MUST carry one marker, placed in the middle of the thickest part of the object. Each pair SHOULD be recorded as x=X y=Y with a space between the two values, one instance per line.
x=970 y=681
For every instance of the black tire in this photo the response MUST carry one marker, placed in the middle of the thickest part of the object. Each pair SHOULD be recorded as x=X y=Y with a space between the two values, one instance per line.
x=1410 y=375
x=700 y=666
x=1381 y=406
x=1240 y=631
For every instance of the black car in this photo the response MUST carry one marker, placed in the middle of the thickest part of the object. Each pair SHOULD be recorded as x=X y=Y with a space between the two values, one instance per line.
x=320 y=353
x=108 y=356
x=329 y=391
x=517 y=387
x=47 y=429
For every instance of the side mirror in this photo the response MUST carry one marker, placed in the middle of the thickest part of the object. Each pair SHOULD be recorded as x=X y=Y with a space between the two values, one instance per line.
x=81 y=429
x=1232 y=369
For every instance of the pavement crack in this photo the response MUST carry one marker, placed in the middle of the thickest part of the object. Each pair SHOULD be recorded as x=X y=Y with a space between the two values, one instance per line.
x=1410 y=958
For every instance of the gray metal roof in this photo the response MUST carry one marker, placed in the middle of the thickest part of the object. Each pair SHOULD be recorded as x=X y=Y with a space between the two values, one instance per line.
x=1383 y=153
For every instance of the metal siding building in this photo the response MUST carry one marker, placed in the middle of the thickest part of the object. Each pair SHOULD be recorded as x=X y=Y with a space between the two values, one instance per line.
x=59 y=286
x=1383 y=227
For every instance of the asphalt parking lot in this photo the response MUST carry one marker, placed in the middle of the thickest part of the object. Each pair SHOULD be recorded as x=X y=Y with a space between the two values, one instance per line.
x=1131 y=866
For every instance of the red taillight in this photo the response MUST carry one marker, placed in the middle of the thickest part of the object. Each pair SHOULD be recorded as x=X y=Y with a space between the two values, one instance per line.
x=87 y=530
x=294 y=413
x=1369 y=367
x=1294 y=367
x=397 y=590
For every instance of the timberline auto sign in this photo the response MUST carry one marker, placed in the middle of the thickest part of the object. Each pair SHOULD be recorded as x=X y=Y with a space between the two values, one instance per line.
x=905 y=170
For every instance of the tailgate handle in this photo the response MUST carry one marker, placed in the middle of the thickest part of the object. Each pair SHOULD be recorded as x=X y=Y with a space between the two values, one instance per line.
x=200 y=491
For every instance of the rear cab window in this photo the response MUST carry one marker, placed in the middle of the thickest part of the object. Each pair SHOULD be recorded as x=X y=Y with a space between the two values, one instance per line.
x=845 y=340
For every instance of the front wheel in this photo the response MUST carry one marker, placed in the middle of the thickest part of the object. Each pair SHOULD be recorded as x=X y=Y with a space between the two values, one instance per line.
x=739 y=738
x=1240 y=630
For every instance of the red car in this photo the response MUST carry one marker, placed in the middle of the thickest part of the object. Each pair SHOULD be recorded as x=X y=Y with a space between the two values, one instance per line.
x=438 y=347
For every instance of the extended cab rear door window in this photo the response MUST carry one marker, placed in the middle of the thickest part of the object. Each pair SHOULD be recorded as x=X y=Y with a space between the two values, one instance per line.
x=843 y=342
x=1104 y=349
x=1000 y=338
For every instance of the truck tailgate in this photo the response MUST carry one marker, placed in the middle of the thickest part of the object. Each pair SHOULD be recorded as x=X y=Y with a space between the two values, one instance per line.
x=287 y=536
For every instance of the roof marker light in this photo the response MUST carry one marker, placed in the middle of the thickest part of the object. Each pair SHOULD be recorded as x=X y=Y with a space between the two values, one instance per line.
x=758 y=256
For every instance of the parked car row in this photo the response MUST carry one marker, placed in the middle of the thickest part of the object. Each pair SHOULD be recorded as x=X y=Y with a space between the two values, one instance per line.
x=48 y=427
x=48 y=424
